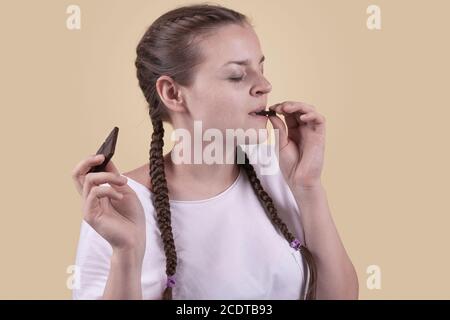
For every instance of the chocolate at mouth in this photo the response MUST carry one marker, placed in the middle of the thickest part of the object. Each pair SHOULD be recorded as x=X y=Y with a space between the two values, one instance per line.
x=266 y=113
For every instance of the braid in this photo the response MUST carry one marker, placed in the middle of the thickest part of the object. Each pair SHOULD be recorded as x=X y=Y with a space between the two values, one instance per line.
x=267 y=203
x=161 y=202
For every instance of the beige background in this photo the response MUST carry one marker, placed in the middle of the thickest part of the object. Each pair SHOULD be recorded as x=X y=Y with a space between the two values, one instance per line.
x=384 y=94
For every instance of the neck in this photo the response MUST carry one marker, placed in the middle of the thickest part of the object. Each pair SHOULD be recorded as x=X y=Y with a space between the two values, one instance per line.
x=202 y=180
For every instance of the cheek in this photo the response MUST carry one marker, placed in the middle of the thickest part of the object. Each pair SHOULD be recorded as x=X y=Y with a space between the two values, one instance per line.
x=230 y=111
x=225 y=104
x=219 y=105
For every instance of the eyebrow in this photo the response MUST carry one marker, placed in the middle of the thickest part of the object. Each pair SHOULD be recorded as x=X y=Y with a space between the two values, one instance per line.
x=244 y=62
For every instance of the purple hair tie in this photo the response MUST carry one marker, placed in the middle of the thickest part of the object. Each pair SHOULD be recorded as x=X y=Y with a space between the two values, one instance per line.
x=170 y=281
x=295 y=244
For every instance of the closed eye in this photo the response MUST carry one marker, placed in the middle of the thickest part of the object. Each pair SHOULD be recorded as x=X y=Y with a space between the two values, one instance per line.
x=236 y=79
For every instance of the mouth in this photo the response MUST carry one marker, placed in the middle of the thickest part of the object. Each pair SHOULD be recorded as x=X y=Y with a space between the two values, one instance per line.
x=258 y=112
x=263 y=113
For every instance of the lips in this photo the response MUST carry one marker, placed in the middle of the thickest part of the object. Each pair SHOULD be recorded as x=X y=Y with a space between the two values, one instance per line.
x=253 y=113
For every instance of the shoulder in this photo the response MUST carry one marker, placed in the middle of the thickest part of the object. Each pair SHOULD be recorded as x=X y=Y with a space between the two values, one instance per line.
x=140 y=175
x=139 y=181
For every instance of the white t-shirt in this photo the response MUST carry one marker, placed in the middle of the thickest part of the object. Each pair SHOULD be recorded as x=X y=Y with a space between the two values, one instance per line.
x=227 y=247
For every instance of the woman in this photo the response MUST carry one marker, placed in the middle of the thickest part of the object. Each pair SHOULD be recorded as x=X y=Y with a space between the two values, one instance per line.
x=221 y=233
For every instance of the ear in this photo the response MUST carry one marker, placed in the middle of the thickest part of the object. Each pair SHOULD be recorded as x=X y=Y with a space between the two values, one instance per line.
x=170 y=94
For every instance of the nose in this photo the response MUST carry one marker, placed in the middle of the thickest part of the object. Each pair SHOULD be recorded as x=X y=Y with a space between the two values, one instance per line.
x=263 y=87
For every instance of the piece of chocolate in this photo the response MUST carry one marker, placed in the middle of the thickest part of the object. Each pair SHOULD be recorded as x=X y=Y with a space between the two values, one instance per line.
x=267 y=113
x=107 y=149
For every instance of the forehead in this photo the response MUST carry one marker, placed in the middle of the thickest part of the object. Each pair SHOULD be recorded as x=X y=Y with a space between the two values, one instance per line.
x=231 y=42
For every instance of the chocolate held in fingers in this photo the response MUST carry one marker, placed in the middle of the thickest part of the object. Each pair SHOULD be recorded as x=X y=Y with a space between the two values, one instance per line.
x=266 y=113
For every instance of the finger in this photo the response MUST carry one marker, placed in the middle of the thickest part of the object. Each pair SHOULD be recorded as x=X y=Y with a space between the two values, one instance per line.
x=105 y=191
x=83 y=167
x=289 y=117
x=299 y=106
x=97 y=178
x=97 y=193
x=110 y=167
x=282 y=139
x=293 y=110
x=313 y=116
x=294 y=106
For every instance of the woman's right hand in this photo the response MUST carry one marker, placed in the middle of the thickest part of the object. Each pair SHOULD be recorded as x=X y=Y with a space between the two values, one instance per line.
x=114 y=211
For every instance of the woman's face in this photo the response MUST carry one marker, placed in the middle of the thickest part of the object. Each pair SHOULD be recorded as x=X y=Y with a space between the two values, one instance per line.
x=223 y=93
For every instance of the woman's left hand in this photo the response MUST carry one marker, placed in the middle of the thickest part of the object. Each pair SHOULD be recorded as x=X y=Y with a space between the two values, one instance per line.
x=302 y=146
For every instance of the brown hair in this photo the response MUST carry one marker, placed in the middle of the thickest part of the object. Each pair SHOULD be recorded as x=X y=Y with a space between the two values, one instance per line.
x=168 y=47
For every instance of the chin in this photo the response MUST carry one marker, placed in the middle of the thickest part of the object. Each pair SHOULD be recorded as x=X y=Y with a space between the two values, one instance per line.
x=254 y=135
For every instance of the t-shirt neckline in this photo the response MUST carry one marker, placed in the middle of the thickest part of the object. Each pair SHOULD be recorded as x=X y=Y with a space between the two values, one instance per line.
x=217 y=196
